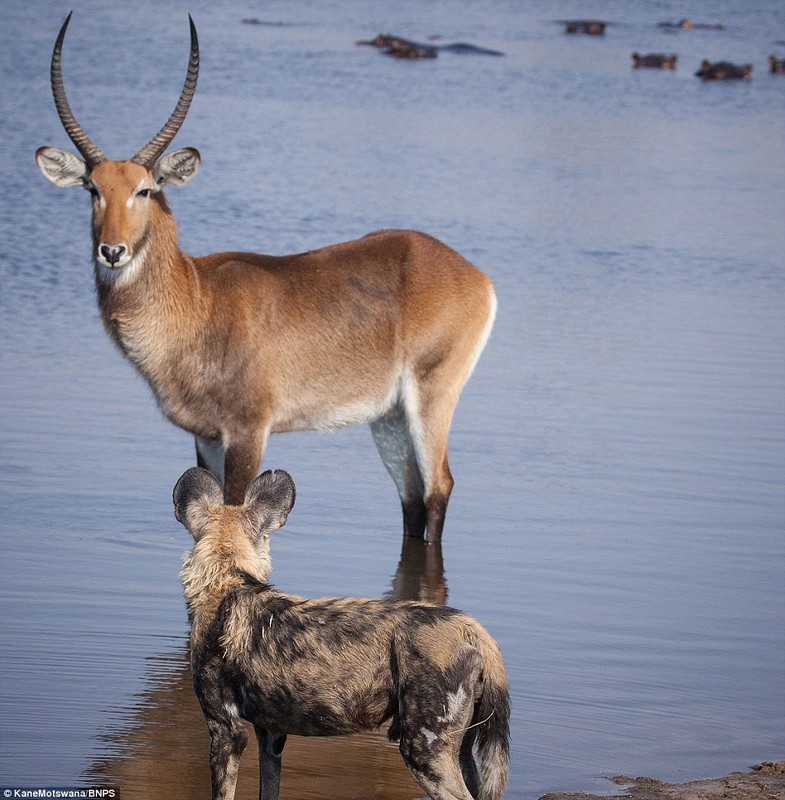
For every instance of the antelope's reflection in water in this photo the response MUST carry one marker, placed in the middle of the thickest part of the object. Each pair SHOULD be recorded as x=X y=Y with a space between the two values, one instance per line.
x=420 y=573
x=161 y=749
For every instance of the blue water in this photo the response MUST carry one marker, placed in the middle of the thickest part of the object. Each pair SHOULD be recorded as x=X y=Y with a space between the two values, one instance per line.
x=619 y=453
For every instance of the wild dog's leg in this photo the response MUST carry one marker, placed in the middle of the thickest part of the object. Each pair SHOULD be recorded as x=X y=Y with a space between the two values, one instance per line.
x=471 y=775
x=439 y=775
x=270 y=751
x=228 y=739
x=436 y=711
x=210 y=456
x=244 y=450
x=394 y=443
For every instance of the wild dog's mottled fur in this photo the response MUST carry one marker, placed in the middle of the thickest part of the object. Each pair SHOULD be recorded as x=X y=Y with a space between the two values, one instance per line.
x=331 y=666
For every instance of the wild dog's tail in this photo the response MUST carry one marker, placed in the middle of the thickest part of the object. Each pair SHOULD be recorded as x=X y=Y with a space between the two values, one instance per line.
x=492 y=718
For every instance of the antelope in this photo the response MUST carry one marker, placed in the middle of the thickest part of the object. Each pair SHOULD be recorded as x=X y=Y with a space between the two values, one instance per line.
x=383 y=330
x=331 y=666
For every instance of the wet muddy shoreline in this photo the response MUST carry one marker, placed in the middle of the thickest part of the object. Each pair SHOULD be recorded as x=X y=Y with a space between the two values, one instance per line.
x=764 y=781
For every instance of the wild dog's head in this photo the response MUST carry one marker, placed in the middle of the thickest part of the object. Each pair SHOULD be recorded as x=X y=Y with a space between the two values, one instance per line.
x=233 y=536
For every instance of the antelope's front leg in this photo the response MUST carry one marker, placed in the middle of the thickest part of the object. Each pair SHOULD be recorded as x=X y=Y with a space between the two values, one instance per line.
x=227 y=743
x=243 y=453
x=271 y=747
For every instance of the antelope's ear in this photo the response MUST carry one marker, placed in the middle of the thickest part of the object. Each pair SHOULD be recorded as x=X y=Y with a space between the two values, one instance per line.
x=269 y=499
x=196 y=489
x=177 y=168
x=61 y=167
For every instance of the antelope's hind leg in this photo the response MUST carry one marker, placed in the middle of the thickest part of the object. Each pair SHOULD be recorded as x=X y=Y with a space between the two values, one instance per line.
x=430 y=393
x=429 y=408
x=412 y=440
x=393 y=440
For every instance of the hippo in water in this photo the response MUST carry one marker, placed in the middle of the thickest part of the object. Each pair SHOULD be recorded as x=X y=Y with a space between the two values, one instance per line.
x=591 y=27
x=776 y=65
x=723 y=71
x=654 y=60
x=470 y=49
x=689 y=25
x=398 y=47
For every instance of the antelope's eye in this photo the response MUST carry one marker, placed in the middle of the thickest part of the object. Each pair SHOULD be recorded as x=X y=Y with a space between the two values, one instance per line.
x=144 y=193
x=93 y=191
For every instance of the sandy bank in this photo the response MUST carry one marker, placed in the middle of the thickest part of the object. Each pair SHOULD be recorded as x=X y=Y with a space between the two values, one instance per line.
x=765 y=781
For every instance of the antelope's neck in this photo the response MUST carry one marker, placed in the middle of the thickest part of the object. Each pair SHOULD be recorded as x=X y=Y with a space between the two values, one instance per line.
x=152 y=307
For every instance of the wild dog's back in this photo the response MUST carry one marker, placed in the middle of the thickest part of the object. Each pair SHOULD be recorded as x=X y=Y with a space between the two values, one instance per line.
x=336 y=665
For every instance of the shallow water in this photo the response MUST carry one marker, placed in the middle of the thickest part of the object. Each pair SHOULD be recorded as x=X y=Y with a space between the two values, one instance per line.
x=619 y=453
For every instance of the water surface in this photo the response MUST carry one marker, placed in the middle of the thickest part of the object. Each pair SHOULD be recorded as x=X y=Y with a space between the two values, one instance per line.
x=619 y=453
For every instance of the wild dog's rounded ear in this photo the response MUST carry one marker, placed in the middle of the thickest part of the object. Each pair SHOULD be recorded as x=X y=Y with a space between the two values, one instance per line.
x=270 y=498
x=195 y=485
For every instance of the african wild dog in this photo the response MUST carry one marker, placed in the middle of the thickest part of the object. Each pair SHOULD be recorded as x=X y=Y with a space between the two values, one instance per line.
x=331 y=666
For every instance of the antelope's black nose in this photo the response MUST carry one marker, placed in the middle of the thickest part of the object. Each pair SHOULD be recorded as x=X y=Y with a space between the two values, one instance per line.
x=112 y=253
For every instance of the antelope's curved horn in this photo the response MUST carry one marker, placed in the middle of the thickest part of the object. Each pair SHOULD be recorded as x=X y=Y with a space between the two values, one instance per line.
x=92 y=155
x=150 y=152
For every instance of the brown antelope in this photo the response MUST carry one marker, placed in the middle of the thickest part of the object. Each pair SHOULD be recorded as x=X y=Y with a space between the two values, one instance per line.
x=383 y=330
x=333 y=666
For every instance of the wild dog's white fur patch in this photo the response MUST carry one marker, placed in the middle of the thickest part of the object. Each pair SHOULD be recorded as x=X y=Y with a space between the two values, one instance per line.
x=430 y=736
x=455 y=704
